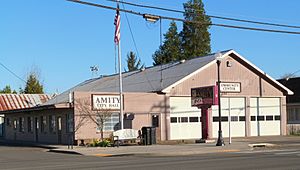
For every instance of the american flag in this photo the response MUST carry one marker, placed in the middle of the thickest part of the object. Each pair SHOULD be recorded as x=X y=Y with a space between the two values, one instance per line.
x=117 y=24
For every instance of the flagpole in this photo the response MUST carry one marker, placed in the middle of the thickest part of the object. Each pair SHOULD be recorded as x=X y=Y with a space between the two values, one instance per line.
x=121 y=85
x=120 y=79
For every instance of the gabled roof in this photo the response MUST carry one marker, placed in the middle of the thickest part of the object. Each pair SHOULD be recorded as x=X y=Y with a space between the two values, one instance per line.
x=232 y=52
x=292 y=83
x=153 y=79
x=21 y=101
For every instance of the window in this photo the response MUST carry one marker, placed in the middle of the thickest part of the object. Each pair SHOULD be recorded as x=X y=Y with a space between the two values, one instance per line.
x=70 y=122
x=242 y=118
x=194 y=119
x=297 y=112
x=184 y=119
x=43 y=123
x=52 y=123
x=8 y=122
x=277 y=117
x=155 y=121
x=260 y=118
x=234 y=118
x=253 y=118
x=269 y=118
x=111 y=123
x=215 y=119
x=173 y=119
x=15 y=124
x=21 y=124
x=223 y=119
x=30 y=124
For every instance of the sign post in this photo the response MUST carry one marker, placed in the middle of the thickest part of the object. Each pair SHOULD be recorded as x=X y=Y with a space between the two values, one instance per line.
x=204 y=98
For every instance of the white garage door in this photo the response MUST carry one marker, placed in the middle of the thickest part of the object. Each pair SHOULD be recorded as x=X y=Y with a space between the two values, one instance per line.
x=233 y=117
x=265 y=116
x=184 y=119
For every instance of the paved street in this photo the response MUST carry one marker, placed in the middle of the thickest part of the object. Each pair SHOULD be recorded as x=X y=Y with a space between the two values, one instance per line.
x=36 y=158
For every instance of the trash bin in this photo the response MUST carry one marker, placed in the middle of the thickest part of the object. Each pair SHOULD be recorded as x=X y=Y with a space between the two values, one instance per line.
x=149 y=135
x=153 y=135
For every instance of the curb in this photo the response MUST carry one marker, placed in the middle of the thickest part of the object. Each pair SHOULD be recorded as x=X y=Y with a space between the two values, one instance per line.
x=64 y=152
x=259 y=145
x=113 y=155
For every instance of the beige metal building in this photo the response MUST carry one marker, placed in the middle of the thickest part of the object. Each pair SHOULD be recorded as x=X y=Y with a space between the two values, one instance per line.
x=253 y=103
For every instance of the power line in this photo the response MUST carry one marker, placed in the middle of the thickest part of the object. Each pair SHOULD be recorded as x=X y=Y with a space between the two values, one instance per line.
x=186 y=21
x=135 y=46
x=211 y=16
x=6 y=68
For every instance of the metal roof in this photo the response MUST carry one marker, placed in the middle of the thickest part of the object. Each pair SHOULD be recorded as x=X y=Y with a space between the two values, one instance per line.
x=151 y=79
x=21 y=101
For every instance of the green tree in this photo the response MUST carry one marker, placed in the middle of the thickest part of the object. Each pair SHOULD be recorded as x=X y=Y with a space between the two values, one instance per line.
x=33 y=85
x=6 y=89
x=195 y=36
x=170 y=50
x=132 y=62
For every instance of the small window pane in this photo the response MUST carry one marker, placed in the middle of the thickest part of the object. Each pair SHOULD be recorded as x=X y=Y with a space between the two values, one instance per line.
x=215 y=119
x=269 y=118
x=242 y=118
x=43 y=123
x=30 y=124
x=21 y=124
x=194 y=119
x=234 y=118
x=173 y=119
x=184 y=119
x=277 y=117
x=224 y=119
x=260 y=118
x=253 y=118
x=15 y=124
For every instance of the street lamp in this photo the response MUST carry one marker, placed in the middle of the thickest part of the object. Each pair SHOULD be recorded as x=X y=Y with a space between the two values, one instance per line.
x=220 y=141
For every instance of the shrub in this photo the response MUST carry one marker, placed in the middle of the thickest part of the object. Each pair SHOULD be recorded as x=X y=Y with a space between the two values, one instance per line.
x=97 y=142
x=104 y=143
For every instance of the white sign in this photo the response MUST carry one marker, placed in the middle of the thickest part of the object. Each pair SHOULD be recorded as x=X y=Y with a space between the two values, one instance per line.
x=230 y=87
x=106 y=102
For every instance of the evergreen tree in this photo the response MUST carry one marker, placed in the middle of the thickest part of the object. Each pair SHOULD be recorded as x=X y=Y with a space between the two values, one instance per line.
x=132 y=62
x=6 y=89
x=170 y=50
x=195 y=36
x=33 y=85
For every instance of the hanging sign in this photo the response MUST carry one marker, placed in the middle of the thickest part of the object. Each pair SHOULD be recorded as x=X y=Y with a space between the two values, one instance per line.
x=105 y=102
x=204 y=96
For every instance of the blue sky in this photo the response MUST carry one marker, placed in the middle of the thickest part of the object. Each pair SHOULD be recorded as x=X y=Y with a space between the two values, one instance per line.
x=63 y=39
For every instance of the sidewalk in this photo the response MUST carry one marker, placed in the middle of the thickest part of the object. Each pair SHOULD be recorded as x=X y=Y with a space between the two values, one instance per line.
x=238 y=144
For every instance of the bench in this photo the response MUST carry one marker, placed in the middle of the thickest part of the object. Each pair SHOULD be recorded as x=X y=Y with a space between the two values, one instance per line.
x=120 y=136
